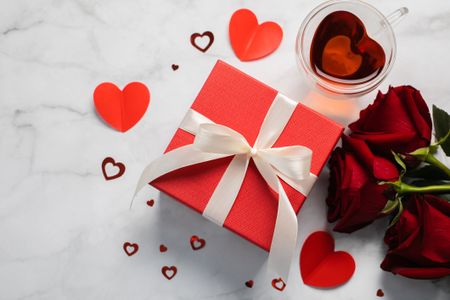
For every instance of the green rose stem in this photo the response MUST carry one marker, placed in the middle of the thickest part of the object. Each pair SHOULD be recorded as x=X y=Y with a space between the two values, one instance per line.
x=432 y=160
x=403 y=188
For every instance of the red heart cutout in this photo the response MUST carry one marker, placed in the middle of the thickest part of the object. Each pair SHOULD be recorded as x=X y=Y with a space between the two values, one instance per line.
x=162 y=248
x=121 y=109
x=130 y=248
x=197 y=243
x=207 y=34
x=249 y=283
x=169 y=272
x=175 y=67
x=120 y=166
x=150 y=202
x=278 y=284
x=251 y=40
x=321 y=266
x=380 y=293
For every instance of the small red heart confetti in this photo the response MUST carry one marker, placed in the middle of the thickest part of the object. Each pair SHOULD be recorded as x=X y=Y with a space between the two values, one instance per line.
x=169 y=272
x=197 y=243
x=321 y=266
x=162 y=248
x=130 y=248
x=150 y=202
x=118 y=165
x=121 y=109
x=278 y=284
x=251 y=40
x=249 y=283
x=380 y=293
x=207 y=34
x=175 y=67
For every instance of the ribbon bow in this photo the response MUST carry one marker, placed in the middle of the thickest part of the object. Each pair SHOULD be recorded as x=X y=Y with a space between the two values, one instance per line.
x=214 y=141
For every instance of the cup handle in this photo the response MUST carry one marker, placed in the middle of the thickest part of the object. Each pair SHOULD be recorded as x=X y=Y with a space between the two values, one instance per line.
x=396 y=16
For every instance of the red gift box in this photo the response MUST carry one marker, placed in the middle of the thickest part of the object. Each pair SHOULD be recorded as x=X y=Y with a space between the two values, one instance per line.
x=234 y=99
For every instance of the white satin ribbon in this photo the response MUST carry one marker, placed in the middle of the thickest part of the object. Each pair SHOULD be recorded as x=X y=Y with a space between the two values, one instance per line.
x=214 y=141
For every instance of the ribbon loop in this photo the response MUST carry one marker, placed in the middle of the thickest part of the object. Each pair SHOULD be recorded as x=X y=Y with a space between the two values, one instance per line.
x=293 y=161
x=215 y=138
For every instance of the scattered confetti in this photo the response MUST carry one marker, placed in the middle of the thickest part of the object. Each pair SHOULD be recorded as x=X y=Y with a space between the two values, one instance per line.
x=111 y=174
x=169 y=272
x=206 y=34
x=197 y=243
x=130 y=248
x=278 y=284
x=249 y=283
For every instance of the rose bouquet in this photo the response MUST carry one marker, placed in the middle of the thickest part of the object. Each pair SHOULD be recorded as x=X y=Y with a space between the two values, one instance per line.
x=388 y=166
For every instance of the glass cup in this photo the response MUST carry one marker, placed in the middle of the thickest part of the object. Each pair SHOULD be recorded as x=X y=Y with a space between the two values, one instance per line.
x=378 y=27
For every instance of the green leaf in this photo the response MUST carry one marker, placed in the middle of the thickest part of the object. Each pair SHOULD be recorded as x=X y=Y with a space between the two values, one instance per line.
x=399 y=160
x=399 y=213
x=441 y=120
x=391 y=205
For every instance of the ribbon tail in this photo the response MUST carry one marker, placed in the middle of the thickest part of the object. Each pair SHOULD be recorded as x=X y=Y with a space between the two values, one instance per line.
x=284 y=238
x=222 y=200
x=176 y=159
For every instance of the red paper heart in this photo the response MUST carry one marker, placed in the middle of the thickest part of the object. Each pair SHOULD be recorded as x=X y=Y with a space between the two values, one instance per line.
x=207 y=34
x=130 y=248
x=118 y=165
x=197 y=243
x=251 y=40
x=121 y=109
x=249 y=283
x=169 y=272
x=321 y=266
x=175 y=67
x=162 y=248
x=278 y=284
x=150 y=202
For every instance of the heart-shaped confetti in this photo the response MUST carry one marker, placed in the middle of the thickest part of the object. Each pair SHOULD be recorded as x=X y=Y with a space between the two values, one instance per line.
x=197 y=243
x=162 y=248
x=197 y=37
x=321 y=266
x=249 y=283
x=278 y=284
x=175 y=67
x=169 y=272
x=150 y=202
x=380 y=293
x=112 y=169
x=251 y=40
x=121 y=109
x=130 y=248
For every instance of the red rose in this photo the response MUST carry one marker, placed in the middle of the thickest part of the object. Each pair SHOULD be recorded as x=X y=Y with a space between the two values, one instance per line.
x=398 y=121
x=419 y=243
x=354 y=196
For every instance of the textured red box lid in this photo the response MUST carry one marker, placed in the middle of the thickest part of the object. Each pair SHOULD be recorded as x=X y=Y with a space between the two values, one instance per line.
x=232 y=98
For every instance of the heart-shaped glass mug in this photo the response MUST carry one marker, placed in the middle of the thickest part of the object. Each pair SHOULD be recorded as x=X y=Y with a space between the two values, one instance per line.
x=375 y=28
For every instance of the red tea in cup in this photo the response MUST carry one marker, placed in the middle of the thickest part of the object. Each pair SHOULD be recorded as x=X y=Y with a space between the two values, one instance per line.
x=341 y=49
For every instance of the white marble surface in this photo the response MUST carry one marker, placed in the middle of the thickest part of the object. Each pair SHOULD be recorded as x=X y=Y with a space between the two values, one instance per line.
x=62 y=225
